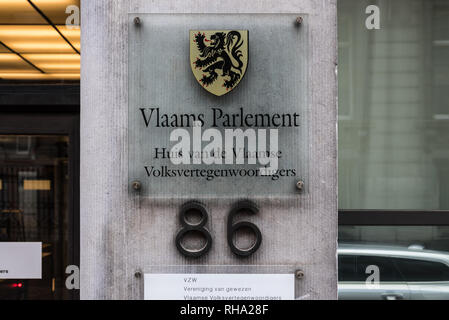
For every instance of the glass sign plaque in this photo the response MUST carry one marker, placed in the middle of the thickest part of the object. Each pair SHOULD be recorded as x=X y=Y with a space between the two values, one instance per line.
x=218 y=104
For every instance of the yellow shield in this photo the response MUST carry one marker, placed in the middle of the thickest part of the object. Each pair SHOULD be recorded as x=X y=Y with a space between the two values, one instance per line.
x=218 y=58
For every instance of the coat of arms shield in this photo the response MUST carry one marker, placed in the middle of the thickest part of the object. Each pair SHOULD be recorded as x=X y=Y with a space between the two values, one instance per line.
x=219 y=58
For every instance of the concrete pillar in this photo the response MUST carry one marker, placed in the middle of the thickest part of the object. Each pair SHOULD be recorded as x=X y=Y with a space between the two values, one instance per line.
x=122 y=233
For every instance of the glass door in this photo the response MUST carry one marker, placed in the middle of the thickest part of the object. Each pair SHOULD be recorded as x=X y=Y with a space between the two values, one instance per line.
x=37 y=204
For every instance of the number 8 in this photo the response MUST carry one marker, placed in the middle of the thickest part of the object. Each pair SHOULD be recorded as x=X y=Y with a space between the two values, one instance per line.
x=189 y=227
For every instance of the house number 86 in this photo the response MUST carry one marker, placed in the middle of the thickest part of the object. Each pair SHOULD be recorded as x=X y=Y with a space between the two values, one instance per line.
x=199 y=228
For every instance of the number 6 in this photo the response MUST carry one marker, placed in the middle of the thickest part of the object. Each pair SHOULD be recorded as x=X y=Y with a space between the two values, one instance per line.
x=251 y=208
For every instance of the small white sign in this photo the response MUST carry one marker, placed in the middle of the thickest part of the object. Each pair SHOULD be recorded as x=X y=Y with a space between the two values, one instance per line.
x=20 y=260
x=201 y=286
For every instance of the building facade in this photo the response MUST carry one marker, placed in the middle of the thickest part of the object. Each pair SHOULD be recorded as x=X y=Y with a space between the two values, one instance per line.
x=67 y=130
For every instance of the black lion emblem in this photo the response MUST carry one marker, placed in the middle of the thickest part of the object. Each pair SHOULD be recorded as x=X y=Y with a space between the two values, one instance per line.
x=215 y=57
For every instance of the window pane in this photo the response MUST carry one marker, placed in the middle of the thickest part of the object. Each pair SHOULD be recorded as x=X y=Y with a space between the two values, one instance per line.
x=419 y=270
x=346 y=268
x=387 y=269
x=354 y=268
x=394 y=106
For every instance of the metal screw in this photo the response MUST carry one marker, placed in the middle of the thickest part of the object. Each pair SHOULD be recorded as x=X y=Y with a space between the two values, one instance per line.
x=136 y=185
x=137 y=274
x=300 y=185
x=137 y=21
x=298 y=21
x=299 y=274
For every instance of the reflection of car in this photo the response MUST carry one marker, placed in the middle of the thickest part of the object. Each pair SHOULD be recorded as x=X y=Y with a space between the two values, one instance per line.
x=404 y=273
